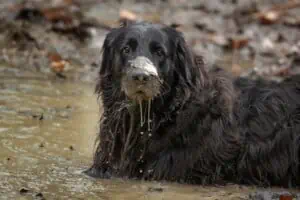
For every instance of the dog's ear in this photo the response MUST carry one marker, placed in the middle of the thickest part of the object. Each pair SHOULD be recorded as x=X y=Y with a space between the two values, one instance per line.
x=183 y=59
x=187 y=66
x=108 y=50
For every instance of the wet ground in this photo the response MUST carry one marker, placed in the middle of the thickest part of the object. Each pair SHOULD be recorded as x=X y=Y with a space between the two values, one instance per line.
x=47 y=132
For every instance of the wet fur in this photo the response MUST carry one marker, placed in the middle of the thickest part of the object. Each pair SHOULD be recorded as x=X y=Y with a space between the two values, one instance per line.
x=206 y=127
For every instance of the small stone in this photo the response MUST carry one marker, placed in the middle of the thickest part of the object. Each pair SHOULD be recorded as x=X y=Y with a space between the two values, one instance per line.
x=149 y=134
x=64 y=114
x=41 y=117
x=141 y=171
x=40 y=196
x=155 y=189
x=68 y=107
x=142 y=133
x=24 y=190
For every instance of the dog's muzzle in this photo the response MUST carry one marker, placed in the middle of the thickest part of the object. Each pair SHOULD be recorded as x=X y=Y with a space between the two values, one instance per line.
x=141 y=80
x=142 y=69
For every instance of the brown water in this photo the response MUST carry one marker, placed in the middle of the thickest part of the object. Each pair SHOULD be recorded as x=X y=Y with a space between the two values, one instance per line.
x=47 y=131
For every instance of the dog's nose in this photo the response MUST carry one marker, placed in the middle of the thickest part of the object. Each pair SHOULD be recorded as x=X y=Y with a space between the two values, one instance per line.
x=142 y=69
x=140 y=76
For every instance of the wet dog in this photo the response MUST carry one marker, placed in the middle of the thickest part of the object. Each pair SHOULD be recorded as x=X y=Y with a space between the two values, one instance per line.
x=165 y=117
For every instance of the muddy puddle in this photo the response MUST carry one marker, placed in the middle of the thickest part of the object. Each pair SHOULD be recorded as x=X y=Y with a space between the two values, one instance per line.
x=47 y=132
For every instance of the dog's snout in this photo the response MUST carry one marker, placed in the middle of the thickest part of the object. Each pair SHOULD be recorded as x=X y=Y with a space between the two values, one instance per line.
x=141 y=79
x=140 y=76
x=142 y=69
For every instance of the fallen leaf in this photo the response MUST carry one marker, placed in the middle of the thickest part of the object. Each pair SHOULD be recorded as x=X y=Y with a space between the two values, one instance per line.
x=126 y=14
x=218 y=39
x=285 y=197
x=58 y=14
x=269 y=17
x=54 y=57
x=59 y=67
x=57 y=62
x=239 y=42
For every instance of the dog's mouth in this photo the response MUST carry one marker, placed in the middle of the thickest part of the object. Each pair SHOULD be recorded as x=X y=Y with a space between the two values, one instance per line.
x=137 y=94
x=141 y=81
x=141 y=95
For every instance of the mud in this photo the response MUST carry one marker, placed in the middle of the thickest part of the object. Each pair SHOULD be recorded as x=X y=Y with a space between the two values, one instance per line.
x=47 y=133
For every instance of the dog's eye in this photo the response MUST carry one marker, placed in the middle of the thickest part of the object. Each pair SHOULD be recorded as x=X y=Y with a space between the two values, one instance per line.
x=126 y=50
x=159 y=52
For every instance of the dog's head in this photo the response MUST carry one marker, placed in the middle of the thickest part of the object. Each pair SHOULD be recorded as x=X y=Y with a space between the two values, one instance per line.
x=146 y=59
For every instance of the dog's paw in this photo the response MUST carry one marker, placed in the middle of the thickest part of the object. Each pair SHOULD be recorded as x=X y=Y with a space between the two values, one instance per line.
x=158 y=169
x=98 y=173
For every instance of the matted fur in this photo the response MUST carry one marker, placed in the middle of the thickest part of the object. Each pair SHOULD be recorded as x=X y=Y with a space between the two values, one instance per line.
x=205 y=129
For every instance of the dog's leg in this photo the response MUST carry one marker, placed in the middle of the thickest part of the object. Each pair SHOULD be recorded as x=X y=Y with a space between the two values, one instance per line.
x=98 y=173
x=170 y=165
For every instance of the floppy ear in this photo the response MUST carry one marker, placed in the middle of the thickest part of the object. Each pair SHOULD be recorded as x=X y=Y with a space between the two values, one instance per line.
x=108 y=59
x=189 y=67
x=108 y=51
x=183 y=60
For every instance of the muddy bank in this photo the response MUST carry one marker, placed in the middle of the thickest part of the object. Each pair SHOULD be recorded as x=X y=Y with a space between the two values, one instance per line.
x=47 y=132
x=63 y=38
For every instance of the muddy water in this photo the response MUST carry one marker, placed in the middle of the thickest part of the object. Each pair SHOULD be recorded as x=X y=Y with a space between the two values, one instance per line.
x=47 y=130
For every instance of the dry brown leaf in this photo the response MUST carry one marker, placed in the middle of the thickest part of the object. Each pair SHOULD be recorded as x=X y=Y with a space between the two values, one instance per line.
x=274 y=13
x=54 y=57
x=218 y=39
x=57 y=62
x=58 y=14
x=239 y=42
x=126 y=14
x=58 y=66
x=286 y=197
x=270 y=17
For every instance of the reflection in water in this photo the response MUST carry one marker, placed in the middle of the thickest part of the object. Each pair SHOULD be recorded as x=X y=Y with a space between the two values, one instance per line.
x=47 y=133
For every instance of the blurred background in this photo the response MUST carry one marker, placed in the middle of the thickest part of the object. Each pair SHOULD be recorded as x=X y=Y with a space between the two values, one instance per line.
x=50 y=53
x=248 y=37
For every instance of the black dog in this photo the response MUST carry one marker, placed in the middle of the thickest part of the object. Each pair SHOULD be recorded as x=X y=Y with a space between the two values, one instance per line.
x=166 y=118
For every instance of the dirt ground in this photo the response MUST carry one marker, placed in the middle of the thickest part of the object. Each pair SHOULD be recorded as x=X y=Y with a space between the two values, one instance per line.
x=64 y=37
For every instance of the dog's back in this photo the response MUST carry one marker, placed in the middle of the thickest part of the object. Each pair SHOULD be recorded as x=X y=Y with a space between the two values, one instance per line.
x=269 y=117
